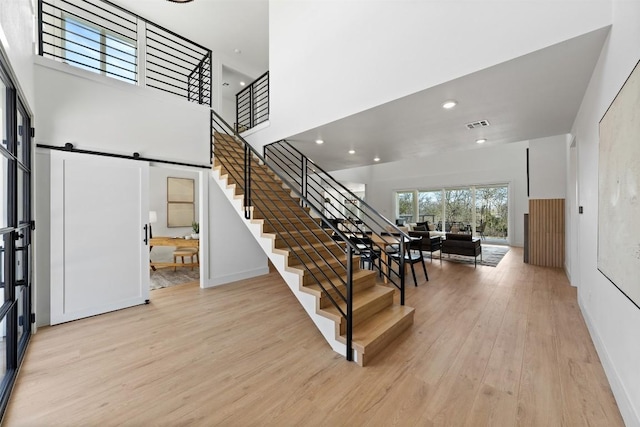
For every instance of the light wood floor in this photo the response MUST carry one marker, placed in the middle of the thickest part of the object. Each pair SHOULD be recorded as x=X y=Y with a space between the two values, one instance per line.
x=490 y=346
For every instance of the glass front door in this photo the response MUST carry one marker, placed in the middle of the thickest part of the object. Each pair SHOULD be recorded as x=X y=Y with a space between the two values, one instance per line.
x=15 y=233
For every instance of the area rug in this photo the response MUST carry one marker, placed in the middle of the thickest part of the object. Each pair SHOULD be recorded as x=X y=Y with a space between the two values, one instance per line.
x=491 y=256
x=165 y=277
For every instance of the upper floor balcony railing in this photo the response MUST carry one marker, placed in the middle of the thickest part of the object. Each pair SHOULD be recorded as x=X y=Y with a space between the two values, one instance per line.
x=102 y=37
x=252 y=104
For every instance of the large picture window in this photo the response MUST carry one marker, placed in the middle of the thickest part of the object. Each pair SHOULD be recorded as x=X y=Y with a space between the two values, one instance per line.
x=480 y=210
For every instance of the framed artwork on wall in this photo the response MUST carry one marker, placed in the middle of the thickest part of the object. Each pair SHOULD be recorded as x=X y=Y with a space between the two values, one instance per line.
x=180 y=202
x=180 y=190
x=618 y=190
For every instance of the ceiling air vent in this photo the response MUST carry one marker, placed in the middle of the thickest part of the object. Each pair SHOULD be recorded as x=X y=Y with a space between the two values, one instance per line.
x=478 y=124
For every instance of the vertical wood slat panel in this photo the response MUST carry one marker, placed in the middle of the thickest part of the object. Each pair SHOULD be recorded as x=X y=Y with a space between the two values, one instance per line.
x=546 y=232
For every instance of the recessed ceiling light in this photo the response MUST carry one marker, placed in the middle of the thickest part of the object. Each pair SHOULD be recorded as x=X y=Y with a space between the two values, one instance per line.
x=352 y=151
x=242 y=83
x=447 y=105
x=376 y=159
x=481 y=141
x=319 y=141
x=238 y=51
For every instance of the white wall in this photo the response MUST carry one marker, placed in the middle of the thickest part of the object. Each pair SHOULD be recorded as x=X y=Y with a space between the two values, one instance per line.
x=158 y=202
x=548 y=167
x=17 y=40
x=42 y=235
x=491 y=165
x=228 y=112
x=612 y=319
x=98 y=113
x=235 y=255
x=321 y=53
x=95 y=112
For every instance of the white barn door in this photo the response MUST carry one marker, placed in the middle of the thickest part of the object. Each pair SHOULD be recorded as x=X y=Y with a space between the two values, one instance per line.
x=99 y=256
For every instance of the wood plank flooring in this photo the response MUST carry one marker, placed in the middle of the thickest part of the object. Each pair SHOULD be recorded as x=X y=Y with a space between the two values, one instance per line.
x=502 y=346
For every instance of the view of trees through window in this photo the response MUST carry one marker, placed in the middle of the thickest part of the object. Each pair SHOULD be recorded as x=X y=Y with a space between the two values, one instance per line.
x=492 y=209
x=405 y=205
x=461 y=208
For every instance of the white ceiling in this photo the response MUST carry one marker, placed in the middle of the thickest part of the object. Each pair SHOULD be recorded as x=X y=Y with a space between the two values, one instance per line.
x=530 y=97
x=220 y=25
x=533 y=96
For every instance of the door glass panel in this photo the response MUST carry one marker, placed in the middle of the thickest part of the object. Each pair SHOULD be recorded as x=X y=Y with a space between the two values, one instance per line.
x=20 y=195
x=3 y=113
x=405 y=206
x=3 y=260
x=430 y=208
x=20 y=140
x=21 y=257
x=4 y=191
x=459 y=210
x=492 y=211
x=22 y=320
x=3 y=346
x=24 y=312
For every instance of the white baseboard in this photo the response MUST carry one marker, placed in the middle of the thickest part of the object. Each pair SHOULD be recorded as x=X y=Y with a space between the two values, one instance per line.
x=229 y=278
x=628 y=412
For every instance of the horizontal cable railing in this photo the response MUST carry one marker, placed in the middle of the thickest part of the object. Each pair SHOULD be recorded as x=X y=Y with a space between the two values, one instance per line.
x=327 y=260
x=104 y=38
x=252 y=104
x=340 y=207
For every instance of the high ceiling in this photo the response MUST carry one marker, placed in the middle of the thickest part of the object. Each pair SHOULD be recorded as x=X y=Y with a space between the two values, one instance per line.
x=529 y=97
x=221 y=25
x=533 y=96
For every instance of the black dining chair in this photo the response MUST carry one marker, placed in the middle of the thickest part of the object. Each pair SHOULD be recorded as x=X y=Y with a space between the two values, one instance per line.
x=368 y=252
x=412 y=255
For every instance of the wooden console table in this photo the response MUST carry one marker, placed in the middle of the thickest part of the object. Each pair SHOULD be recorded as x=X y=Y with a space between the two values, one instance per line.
x=173 y=241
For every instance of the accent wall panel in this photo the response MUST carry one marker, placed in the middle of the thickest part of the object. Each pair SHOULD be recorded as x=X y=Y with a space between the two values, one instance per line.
x=546 y=232
x=619 y=190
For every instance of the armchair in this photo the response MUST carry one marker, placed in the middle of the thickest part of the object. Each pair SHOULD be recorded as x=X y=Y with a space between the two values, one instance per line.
x=429 y=243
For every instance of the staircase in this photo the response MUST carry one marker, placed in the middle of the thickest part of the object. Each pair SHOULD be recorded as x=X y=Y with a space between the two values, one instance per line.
x=348 y=304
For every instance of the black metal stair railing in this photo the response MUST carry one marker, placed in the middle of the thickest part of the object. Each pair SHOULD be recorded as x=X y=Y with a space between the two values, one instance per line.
x=339 y=206
x=325 y=254
x=107 y=39
x=252 y=104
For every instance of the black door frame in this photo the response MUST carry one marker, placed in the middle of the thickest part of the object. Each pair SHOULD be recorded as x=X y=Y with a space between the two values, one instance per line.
x=16 y=306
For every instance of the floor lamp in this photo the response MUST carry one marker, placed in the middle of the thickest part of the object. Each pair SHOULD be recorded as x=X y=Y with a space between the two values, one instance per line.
x=153 y=218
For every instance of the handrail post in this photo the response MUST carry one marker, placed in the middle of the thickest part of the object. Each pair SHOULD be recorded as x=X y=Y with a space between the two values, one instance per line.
x=40 y=42
x=401 y=260
x=200 y=83
x=237 y=124
x=303 y=178
x=251 y=107
x=247 y=182
x=349 y=303
x=211 y=134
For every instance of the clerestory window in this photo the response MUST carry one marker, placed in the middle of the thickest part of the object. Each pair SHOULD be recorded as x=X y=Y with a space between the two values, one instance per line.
x=96 y=49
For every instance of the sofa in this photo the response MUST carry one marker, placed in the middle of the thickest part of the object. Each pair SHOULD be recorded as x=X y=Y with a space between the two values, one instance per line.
x=462 y=244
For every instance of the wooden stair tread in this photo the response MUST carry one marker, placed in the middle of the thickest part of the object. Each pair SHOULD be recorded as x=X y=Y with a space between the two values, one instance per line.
x=367 y=333
x=360 y=299
x=357 y=276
